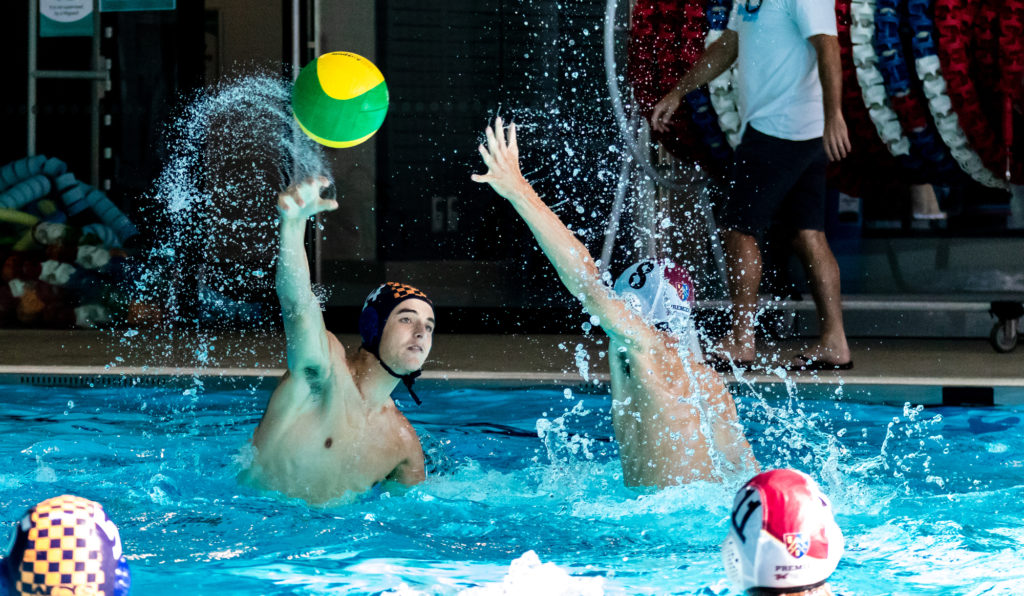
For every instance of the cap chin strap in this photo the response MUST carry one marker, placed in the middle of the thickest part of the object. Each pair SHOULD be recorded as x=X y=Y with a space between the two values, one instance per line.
x=407 y=380
x=794 y=590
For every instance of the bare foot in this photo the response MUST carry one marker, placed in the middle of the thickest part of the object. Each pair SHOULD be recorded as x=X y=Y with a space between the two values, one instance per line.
x=823 y=356
x=728 y=349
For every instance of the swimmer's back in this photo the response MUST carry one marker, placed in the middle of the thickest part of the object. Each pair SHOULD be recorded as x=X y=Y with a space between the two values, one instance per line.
x=658 y=421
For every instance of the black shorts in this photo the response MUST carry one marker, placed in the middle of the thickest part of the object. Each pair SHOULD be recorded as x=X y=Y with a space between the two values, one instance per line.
x=776 y=182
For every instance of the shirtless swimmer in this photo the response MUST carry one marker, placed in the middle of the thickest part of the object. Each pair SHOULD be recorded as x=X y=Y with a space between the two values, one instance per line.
x=674 y=419
x=331 y=428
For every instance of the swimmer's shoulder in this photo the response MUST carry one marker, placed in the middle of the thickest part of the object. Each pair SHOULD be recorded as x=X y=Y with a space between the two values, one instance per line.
x=301 y=382
x=646 y=343
x=338 y=357
x=336 y=350
x=637 y=336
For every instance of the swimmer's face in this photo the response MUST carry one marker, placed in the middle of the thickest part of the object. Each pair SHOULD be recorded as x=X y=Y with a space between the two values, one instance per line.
x=408 y=335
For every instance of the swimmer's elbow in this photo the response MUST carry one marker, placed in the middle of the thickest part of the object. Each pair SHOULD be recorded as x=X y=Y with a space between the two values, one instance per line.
x=405 y=478
x=297 y=302
x=410 y=472
x=413 y=478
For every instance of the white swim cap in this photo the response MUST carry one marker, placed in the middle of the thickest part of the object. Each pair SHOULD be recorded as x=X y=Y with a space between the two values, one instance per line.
x=659 y=291
x=781 y=534
x=662 y=293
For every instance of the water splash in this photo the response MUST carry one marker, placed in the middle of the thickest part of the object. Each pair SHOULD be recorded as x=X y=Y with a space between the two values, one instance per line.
x=527 y=575
x=567 y=459
x=231 y=148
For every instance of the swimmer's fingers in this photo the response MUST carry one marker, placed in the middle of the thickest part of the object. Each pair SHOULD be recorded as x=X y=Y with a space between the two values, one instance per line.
x=499 y=132
x=492 y=142
x=286 y=203
x=513 y=147
x=304 y=200
x=320 y=204
x=501 y=153
x=488 y=158
x=489 y=162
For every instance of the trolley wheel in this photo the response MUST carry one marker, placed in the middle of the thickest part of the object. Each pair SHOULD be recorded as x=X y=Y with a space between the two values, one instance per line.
x=1004 y=336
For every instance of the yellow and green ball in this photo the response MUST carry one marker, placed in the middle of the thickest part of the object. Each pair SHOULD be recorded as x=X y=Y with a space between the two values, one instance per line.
x=340 y=99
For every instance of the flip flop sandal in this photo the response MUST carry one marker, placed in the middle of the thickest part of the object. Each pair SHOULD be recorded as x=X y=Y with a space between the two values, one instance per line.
x=724 y=365
x=814 y=364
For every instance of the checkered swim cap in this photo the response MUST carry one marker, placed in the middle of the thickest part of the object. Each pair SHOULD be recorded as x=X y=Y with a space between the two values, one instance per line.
x=377 y=308
x=66 y=546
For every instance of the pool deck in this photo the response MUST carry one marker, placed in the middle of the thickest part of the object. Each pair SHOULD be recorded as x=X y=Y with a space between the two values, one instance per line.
x=505 y=359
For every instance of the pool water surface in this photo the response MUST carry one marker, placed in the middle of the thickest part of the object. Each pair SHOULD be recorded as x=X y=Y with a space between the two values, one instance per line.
x=929 y=499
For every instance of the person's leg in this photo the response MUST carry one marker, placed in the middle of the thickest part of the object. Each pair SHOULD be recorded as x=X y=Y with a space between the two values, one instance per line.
x=766 y=169
x=743 y=258
x=823 y=275
x=804 y=208
x=923 y=202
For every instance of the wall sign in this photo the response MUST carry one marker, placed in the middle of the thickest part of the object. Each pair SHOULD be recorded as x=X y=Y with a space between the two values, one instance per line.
x=65 y=18
x=136 y=5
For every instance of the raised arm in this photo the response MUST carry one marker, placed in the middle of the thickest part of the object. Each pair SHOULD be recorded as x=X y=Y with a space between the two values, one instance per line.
x=570 y=258
x=308 y=343
x=830 y=71
x=718 y=57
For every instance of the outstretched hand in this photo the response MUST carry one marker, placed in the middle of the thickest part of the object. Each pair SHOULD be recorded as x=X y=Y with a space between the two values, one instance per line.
x=502 y=159
x=302 y=200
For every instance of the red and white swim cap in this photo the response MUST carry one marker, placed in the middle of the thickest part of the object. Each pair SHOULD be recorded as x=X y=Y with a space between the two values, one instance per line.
x=659 y=291
x=781 y=533
x=662 y=293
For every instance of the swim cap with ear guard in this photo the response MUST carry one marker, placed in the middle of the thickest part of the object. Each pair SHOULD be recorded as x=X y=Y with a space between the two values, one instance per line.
x=781 y=534
x=662 y=293
x=376 y=310
x=65 y=545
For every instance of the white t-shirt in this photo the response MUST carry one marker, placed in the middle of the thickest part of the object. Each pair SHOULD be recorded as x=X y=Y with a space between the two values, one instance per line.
x=779 y=89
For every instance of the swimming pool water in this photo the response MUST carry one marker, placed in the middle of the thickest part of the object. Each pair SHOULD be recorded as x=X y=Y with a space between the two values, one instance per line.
x=929 y=499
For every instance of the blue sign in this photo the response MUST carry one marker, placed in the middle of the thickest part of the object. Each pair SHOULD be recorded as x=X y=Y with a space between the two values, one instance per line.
x=136 y=5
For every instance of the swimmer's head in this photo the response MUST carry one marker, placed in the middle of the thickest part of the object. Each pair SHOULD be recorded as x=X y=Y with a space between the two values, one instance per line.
x=659 y=291
x=782 y=535
x=397 y=325
x=65 y=546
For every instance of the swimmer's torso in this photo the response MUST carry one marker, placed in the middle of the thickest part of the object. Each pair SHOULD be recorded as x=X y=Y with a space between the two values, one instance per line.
x=321 y=447
x=657 y=412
